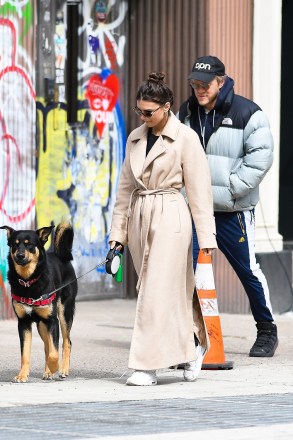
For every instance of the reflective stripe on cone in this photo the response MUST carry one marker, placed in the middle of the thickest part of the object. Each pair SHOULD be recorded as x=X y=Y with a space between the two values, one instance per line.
x=205 y=286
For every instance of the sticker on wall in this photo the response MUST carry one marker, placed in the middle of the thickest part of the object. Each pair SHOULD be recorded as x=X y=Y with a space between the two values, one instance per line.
x=101 y=11
x=102 y=94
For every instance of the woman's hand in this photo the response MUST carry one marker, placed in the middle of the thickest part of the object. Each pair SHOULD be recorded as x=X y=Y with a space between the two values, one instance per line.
x=114 y=243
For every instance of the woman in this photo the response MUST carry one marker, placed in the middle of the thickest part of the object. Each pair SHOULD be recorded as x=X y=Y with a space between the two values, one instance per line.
x=152 y=217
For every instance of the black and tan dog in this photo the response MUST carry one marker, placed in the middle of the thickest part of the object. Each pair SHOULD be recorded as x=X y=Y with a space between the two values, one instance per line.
x=35 y=276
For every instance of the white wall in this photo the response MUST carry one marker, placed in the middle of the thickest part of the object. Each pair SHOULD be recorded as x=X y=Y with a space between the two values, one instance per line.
x=266 y=93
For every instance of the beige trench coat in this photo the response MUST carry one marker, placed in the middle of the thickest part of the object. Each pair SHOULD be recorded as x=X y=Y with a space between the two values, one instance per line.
x=152 y=217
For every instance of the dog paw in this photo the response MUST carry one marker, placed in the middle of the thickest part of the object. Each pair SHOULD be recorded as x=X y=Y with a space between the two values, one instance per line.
x=63 y=374
x=21 y=378
x=48 y=376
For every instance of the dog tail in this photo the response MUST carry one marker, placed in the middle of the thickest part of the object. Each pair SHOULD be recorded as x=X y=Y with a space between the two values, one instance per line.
x=63 y=240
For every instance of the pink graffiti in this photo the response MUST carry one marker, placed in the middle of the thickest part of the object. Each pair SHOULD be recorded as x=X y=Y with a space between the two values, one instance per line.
x=7 y=137
x=10 y=25
x=22 y=73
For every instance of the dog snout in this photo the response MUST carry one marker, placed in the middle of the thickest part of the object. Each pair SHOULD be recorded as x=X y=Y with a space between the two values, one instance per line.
x=20 y=258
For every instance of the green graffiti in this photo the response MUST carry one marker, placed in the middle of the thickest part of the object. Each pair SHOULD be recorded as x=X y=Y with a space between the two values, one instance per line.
x=26 y=12
x=28 y=15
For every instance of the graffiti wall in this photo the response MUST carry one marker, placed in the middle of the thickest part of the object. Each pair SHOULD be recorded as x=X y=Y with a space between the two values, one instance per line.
x=17 y=127
x=74 y=55
x=79 y=161
x=53 y=165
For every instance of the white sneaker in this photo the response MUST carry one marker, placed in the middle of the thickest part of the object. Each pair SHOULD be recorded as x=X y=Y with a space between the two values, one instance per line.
x=192 y=369
x=142 y=378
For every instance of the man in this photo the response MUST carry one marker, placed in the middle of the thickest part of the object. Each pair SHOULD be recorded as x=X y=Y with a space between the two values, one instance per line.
x=238 y=143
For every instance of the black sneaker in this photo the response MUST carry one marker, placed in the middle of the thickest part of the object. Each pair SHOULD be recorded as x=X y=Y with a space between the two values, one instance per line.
x=266 y=340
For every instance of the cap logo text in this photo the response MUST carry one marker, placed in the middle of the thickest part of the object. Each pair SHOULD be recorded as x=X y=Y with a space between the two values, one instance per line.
x=203 y=66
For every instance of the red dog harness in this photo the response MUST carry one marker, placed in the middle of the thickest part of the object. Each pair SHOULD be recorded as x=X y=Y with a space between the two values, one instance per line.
x=44 y=300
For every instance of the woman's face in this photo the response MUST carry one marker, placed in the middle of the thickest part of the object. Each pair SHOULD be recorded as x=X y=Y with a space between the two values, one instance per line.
x=152 y=113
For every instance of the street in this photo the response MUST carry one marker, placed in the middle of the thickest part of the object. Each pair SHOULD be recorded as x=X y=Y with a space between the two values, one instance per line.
x=254 y=400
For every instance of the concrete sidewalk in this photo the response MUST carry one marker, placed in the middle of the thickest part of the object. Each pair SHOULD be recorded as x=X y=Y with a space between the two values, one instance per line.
x=101 y=338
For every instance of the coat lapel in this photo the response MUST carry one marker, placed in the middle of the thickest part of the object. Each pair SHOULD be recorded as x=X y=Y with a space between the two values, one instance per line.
x=157 y=149
x=138 y=160
x=138 y=151
x=170 y=131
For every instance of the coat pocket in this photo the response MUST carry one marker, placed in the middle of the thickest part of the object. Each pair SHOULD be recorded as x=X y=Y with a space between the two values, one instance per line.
x=174 y=216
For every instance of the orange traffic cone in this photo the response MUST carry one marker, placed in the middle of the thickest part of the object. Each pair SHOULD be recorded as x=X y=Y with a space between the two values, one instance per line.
x=205 y=286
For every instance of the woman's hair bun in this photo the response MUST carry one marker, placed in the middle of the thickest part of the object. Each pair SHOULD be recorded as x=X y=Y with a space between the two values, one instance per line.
x=156 y=76
x=154 y=89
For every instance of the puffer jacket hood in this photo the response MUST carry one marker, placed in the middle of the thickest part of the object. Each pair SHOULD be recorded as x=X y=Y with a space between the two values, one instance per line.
x=224 y=99
x=225 y=96
x=212 y=120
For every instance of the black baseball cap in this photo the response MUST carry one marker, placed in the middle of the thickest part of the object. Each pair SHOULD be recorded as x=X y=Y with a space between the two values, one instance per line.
x=206 y=68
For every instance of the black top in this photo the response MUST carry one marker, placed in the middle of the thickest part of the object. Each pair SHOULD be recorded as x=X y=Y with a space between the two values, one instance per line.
x=152 y=139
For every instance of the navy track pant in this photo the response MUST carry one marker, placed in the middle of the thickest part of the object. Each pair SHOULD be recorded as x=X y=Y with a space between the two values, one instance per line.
x=236 y=239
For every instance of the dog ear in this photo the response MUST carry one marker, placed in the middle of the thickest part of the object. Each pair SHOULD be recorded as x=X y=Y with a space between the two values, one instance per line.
x=44 y=233
x=9 y=230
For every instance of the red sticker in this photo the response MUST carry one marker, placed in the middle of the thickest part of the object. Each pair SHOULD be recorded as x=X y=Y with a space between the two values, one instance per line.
x=102 y=95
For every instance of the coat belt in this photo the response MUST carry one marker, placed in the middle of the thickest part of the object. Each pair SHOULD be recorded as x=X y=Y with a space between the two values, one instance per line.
x=149 y=197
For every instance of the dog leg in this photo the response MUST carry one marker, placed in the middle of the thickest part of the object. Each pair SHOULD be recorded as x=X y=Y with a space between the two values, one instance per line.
x=65 y=325
x=43 y=333
x=25 y=336
x=50 y=336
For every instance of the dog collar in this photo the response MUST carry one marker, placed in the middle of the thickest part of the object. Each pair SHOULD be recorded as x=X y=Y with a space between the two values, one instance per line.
x=44 y=300
x=28 y=283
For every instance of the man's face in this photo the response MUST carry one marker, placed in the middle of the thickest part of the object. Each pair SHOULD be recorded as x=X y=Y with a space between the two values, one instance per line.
x=206 y=93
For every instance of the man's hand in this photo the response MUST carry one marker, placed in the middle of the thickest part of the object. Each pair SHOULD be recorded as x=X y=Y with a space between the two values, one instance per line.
x=207 y=252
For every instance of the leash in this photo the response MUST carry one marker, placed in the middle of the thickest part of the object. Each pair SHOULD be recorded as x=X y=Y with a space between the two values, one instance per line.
x=112 y=263
x=80 y=276
x=47 y=298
